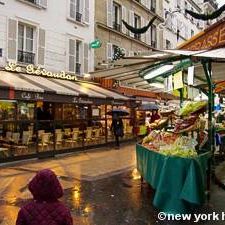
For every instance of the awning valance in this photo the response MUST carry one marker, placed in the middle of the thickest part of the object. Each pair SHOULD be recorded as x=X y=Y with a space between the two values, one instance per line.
x=40 y=88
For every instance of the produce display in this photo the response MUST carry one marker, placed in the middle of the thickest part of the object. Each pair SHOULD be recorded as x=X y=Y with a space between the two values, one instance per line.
x=192 y=107
x=170 y=144
x=158 y=123
x=173 y=143
x=186 y=124
x=187 y=153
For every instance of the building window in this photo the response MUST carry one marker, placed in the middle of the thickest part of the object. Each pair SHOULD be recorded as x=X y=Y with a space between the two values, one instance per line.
x=178 y=4
x=75 y=56
x=137 y=24
x=153 y=36
x=75 y=10
x=78 y=57
x=168 y=44
x=185 y=7
x=153 y=5
x=192 y=19
x=117 y=16
x=26 y=52
x=114 y=51
x=192 y=33
x=32 y=1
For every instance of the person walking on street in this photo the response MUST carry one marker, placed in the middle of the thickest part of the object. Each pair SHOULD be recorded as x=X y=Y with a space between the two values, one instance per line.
x=117 y=127
x=45 y=208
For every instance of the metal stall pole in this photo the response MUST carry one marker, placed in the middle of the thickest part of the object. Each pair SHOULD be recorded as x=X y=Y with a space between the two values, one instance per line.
x=207 y=66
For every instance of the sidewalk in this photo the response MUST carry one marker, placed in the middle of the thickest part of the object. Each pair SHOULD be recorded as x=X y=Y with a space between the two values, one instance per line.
x=78 y=167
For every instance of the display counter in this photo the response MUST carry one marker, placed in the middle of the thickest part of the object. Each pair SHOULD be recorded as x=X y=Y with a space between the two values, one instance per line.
x=179 y=183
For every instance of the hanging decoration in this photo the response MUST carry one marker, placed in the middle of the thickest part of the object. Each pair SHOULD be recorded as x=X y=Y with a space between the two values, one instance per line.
x=211 y=16
x=139 y=30
x=118 y=53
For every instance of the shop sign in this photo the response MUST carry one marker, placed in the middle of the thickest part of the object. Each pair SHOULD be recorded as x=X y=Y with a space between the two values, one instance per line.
x=117 y=103
x=31 y=96
x=96 y=44
x=82 y=101
x=209 y=39
x=38 y=71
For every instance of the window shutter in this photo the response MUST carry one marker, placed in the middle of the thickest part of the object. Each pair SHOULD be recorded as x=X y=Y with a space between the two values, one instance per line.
x=124 y=17
x=43 y=3
x=143 y=2
x=143 y=24
x=109 y=13
x=82 y=10
x=41 y=47
x=148 y=36
x=12 y=39
x=72 y=46
x=109 y=52
x=81 y=57
x=86 y=11
x=131 y=21
x=131 y=53
x=86 y=57
x=72 y=9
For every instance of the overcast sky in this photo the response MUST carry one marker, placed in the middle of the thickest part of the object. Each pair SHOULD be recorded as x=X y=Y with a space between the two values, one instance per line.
x=221 y=2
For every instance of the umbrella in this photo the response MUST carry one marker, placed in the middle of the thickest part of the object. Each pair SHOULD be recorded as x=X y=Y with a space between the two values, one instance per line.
x=148 y=107
x=119 y=112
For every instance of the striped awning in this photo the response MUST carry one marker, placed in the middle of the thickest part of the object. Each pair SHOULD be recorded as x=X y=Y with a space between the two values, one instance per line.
x=54 y=89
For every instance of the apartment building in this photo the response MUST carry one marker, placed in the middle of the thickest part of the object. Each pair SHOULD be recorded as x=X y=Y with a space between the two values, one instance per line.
x=112 y=33
x=179 y=26
x=49 y=33
x=209 y=6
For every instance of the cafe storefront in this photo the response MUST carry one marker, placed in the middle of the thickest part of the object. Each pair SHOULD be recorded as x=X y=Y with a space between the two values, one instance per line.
x=44 y=113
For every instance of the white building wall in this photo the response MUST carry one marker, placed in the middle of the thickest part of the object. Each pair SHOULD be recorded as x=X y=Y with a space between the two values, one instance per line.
x=58 y=28
x=186 y=24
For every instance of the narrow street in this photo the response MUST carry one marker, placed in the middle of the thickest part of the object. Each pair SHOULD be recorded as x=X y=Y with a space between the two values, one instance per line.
x=101 y=187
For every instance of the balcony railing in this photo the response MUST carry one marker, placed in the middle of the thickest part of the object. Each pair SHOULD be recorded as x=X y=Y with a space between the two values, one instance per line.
x=78 y=68
x=153 y=44
x=213 y=3
x=78 y=16
x=153 y=9
x=137 y=36
x=32 y=1
x=116 y=26
x=25 y=57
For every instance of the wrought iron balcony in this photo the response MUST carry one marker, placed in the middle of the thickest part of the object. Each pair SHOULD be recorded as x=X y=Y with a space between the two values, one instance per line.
x=25 y=57
x=213 y=3
x=78 y=16
x=137 y=36
x=116 y=26
x=153 y=9
x=153 y=44
x=32 y=1
x=78 y=68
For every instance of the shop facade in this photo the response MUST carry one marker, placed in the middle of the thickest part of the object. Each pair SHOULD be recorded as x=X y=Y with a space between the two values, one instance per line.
x=44 y=113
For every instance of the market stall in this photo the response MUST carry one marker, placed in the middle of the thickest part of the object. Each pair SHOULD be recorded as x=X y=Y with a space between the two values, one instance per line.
x=179 y=183
x=178 y=163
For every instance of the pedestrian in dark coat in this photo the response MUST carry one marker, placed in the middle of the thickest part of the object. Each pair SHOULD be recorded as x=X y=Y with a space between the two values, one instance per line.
x=45 y=208
x=117 y=127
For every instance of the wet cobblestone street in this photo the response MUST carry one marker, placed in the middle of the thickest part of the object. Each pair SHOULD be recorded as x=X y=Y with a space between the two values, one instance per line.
x=116 y=198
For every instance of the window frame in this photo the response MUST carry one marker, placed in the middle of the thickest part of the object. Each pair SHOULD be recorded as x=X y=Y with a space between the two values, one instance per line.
x=25 y=38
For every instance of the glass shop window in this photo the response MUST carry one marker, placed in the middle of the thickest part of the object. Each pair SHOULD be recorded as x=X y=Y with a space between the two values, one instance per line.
x=26 y=111
x=7 y=110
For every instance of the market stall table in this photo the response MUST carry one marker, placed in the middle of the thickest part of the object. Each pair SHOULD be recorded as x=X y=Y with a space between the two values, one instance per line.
x=179 y=183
